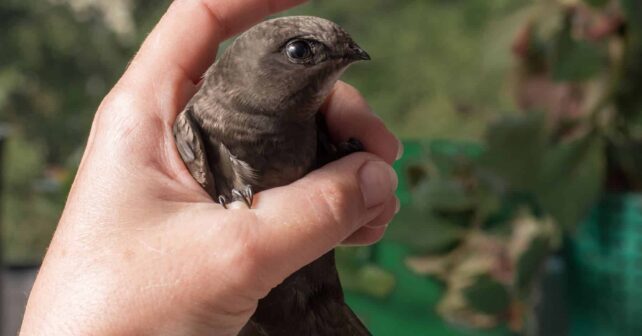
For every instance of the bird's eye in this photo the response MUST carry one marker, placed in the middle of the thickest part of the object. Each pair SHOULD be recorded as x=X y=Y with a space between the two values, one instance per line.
x=298 y=50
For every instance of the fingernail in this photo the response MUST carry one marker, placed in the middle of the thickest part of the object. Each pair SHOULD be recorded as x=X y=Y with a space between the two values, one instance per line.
x=398 y=206
x=399 y=150
x=378 y=181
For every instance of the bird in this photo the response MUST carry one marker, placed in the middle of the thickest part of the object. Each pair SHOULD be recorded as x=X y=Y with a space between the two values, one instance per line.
x=255 y=124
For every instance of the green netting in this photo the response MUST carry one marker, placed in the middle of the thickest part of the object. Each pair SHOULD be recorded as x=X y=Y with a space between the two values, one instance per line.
x=605 y=264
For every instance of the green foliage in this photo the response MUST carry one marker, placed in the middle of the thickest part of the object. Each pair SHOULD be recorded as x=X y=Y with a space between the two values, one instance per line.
x=632 y=9
x=516 y=146
x=540 y=172
x=575 y=60
x=597 y=3
x=627 y=153
x=360 y=275
x=435 y=234
x=521 y=152
x=628 y=70
x=443 y=203
x=57 y=64
x=528 y=264
x=572 y=171
x=468 y=225
x=27 y=212
x=487 y=296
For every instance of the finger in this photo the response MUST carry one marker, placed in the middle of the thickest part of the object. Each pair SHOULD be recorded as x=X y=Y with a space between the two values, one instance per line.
x=373 y=231
x=306 y=219
x=365 y=236
x=184 y=43
x=348 y=115
x=390 y=209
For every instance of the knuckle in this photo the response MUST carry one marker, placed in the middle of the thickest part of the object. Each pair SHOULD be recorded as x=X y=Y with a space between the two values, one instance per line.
x=334 y=203
x=219 y=21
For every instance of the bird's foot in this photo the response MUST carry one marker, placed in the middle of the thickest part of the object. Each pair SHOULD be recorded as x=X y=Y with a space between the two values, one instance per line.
x=222 y=200
x=244 y=195
x=351 y=146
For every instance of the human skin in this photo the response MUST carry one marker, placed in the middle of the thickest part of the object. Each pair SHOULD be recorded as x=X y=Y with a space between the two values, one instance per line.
x=142 y=249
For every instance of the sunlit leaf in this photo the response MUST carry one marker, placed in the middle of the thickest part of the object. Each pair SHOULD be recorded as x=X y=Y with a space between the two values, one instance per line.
x=375 y=281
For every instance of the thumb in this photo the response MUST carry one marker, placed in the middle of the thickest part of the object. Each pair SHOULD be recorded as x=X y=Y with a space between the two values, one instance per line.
x=302 y=221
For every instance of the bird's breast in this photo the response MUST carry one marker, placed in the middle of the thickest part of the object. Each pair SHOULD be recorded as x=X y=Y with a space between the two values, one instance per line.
x=277 y=158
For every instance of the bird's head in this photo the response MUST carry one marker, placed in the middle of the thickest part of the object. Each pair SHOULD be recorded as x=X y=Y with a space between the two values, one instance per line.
x=287 y=64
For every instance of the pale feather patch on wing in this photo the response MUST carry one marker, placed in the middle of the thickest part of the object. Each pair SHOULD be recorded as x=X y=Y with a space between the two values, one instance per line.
x=190 y=147
x=241 y=171
x=186 y=152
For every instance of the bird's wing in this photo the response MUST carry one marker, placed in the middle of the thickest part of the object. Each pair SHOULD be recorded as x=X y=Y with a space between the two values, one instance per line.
x=191 y=147
x=236 y=172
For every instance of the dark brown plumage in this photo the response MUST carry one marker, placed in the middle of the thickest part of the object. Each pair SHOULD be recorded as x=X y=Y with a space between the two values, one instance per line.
x=255 y=125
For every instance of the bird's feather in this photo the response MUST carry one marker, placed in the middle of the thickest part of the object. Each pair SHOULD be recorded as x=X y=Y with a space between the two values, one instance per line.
x=190 y=145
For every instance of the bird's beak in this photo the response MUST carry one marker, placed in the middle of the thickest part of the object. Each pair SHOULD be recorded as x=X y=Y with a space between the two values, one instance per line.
x=355 y=53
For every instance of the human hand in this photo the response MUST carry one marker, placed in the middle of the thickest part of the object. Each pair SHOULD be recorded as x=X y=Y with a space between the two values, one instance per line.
x=142 y=249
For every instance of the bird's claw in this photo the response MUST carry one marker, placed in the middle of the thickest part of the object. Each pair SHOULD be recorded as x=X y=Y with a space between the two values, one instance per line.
x=222 y=201
x=244 y=195
x=351 y=146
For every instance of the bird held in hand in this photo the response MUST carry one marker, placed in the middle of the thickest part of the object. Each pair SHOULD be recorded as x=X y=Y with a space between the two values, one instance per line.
x=253 y=125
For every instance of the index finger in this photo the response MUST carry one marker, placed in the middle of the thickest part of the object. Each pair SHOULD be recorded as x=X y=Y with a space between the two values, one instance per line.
x=184 y=43
x=348 y=116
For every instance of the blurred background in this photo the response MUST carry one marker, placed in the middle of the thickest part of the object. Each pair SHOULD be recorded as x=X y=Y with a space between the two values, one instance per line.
x=520 y=184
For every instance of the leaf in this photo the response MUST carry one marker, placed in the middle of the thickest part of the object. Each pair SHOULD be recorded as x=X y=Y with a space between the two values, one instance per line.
x=487 y=296
x=452 y=156
x=446 y=195
x=375 y=281
x=425 y=233
x=572 y=171
x=574 y=60
x=432 y=265
x=529 y=263
x=515 y=148
x=366 y=278
x=353 y=257
x=533 y=239
x=359 y=274
x=489 y=203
